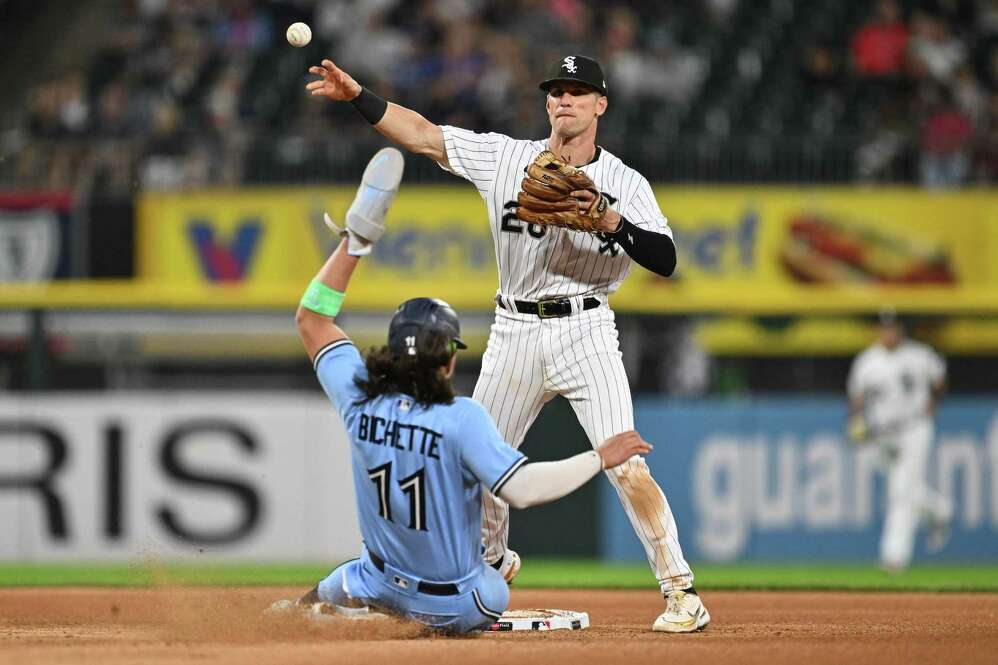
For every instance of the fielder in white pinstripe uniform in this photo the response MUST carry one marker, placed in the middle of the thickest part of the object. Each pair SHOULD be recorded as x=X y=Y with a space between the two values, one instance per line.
x=554 y=332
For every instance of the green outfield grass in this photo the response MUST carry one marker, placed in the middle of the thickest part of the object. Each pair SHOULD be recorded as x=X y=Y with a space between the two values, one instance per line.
x=537 y=573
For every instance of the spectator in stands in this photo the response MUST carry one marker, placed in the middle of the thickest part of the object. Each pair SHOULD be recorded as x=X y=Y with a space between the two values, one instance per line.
x=879 y=47
x=968 y=95
x=986 y=49
x=164 y=161
x=362 y=35
x=986 y=168
x=821 y=74
x=721 y=10
x=575 y=19
x=505 y=84
x=207 y=60
x=623 y=58
x=672 y=72
x=243 y=28
x=462 y=64
x=662 y=71
x=821 y=69
x=113 y=118
x=934 y=53
x=533 y=22
x=946 y=145
x=43 y=112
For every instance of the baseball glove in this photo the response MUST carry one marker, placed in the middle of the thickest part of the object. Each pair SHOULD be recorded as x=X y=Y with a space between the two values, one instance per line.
x=545 y=197
x=858 y=430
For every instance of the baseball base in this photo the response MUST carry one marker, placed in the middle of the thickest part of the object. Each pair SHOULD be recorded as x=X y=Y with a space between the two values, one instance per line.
x=537 y=619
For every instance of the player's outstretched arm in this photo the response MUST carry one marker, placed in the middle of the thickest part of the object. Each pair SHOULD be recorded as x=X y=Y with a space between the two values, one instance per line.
x=399 y=124
x=542 y=482
x=321 y=302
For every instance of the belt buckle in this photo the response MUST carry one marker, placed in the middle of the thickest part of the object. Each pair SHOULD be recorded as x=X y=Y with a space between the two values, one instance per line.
x=543 y=304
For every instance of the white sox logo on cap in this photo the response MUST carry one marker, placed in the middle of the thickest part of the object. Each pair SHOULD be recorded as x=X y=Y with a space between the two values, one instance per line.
x=570 y=65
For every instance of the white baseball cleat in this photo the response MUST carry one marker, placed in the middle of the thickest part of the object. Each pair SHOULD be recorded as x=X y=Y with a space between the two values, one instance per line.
x=377 y=190
x=684 y=613
x=510 y=566
x=365 y=222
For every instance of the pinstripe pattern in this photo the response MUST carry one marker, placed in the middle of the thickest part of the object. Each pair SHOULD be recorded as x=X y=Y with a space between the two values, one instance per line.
x=530 y=360
x=559 y=262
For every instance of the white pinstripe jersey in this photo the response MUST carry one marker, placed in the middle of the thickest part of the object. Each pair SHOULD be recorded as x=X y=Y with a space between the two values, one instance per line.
x=896 y=385
x=535 y=261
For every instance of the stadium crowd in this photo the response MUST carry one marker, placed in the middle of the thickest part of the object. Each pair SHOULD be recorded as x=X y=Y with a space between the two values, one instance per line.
x=186 y=93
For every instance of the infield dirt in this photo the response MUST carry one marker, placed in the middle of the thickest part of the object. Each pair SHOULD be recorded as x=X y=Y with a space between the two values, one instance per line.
x=226 y=626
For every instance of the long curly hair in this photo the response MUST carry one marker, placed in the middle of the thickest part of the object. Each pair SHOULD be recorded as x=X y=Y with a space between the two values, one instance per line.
x=419 y=377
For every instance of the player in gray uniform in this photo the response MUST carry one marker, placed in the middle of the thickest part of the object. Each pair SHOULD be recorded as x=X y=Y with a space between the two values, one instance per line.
x=554 y=331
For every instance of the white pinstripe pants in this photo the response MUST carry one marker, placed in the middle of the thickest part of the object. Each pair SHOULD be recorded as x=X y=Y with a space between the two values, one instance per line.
x=530 y=360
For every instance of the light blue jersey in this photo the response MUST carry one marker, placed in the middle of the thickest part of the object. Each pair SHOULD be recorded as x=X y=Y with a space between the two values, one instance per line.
x=418 y=476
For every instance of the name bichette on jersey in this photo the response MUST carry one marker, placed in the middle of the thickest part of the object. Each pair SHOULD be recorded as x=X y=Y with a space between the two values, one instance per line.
x=413 y=438
x=537 y=262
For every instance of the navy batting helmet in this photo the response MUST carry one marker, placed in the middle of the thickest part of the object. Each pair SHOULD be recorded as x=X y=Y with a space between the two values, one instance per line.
x=425 y=327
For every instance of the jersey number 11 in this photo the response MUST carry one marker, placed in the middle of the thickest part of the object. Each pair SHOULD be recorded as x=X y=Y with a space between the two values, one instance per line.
x=413 y=486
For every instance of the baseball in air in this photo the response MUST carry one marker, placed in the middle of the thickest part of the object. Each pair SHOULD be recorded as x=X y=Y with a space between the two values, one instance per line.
x=299 y=34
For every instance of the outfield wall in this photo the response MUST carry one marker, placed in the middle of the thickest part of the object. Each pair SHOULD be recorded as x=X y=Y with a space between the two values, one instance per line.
x=175 y=476
x=775 y=479
x=266 y=477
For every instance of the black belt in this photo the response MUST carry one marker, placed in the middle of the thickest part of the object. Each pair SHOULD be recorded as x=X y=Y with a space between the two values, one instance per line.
x=431 y=588
x=552 y=308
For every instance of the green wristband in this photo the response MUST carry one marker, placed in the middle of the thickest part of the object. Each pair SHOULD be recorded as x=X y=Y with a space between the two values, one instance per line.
x=321 y=299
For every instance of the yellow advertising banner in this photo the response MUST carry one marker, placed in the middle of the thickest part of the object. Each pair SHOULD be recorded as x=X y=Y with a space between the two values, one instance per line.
x=802 y=247
x=438 y=242
x=783 y=240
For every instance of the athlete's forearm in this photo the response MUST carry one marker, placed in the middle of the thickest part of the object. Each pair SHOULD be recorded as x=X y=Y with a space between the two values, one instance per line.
x=399 y=124
x=413 y=132
x=338 y=268
x=542 y=482
x=314 y=327
x=652 y=251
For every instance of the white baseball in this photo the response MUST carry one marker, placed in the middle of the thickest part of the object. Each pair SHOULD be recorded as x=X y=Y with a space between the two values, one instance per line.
x=299 y=34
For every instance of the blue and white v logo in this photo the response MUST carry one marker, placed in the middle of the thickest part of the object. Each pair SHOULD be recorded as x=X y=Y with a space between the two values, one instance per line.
x=218 y=262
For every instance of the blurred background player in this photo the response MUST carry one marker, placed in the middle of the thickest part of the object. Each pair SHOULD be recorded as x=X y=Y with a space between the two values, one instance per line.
x=421 y=456
x=894 y=389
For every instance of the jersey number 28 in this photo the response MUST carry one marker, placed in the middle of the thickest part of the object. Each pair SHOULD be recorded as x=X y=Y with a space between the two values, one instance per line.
x=414 y=486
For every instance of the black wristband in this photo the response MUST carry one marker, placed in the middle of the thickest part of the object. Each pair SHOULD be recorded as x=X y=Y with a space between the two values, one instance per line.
x=369 y=105
x=651 y=250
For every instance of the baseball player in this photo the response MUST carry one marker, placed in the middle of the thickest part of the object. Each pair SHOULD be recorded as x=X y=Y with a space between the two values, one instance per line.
x=894 y=387
x=420 y=455
x=554 y=333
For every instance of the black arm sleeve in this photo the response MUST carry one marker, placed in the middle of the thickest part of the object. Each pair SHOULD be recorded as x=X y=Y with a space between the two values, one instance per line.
x=654 y=251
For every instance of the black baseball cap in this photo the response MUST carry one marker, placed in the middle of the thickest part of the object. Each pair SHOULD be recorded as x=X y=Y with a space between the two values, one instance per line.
x=579 y=68
x=425 y=327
